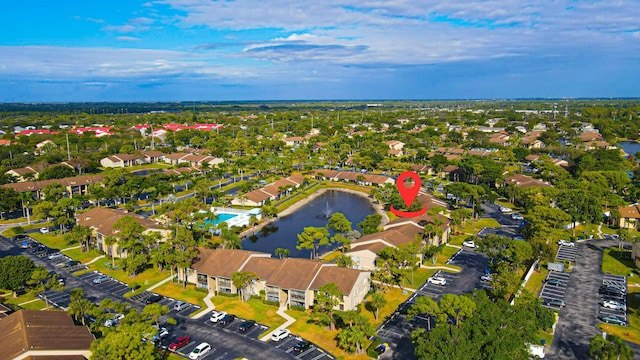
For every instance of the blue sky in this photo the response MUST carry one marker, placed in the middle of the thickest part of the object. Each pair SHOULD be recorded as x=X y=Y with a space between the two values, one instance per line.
x=128 y=50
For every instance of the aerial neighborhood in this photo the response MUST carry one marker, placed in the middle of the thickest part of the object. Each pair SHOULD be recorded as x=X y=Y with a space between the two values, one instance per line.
x=185 y=230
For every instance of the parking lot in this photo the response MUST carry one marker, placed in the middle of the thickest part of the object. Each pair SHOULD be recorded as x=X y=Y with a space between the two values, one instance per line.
x=554 y=288
x=167 y=301
x=566 y=253
x=397 y=330
x=111 y=286
x=616 y=282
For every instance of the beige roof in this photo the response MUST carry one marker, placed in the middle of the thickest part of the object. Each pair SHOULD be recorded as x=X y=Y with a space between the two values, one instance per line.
x=525 y=181
x=294 y=273
x=343 y=277
x=396 y=236
x=103 y=219
x=630 y=212
x=39 y=330
x=175 y=156
x=71 y=181
x=589 y=136
x=152 y=153
x=222 y=262
x=374 y=247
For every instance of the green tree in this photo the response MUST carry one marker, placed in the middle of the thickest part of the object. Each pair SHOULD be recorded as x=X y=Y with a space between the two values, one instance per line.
x=241 y=280
x=327 y=298
x=613 y=347
x=42 y=280
x=124 y=343
x=56 y=172
x=344 y=261
x=282 y=252
x=312 y=238
x=425 y=305
x=370 y=224
x=352 y=337
x=377 y=301
x=15 y=271
x=154 y=311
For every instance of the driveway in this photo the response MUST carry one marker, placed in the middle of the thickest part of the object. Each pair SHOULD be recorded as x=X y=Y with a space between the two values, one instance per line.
x=397 y=330
x=577 y=322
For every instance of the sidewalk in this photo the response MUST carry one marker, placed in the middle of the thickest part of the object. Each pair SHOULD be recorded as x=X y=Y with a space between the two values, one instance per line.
x=161 y=283
x=95 y=259
x=209 y=308
x=287 y=323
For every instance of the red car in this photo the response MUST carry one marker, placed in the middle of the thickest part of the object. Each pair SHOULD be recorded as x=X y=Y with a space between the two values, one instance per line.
x=180 y=342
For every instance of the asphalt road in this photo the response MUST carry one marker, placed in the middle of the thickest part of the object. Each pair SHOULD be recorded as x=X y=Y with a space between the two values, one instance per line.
x=227 y=342
x=577 y=323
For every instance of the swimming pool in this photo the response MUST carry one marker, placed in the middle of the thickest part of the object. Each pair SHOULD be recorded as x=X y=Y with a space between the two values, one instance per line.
x=221 y=217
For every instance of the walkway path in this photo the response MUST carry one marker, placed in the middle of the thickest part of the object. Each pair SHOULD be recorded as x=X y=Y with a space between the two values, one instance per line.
x=287 y=323
x=439 y=267
x=161 y=283
x=95 y=259
x=28 y=302
x=210 y=307
x=71 y=248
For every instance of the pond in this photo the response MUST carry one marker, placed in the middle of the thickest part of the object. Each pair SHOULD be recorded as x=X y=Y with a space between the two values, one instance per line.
x=630 y=147
x=283 y=232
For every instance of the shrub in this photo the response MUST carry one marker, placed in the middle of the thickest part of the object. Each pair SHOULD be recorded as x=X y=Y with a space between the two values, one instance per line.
x=18 y=230
x=202 y=290
x=371 y=350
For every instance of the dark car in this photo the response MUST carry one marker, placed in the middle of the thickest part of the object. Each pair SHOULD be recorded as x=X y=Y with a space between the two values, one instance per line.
x=613 y=320
x=228 y=319
x=71 y=263
x=554 y=282
x=302 y=346
x=38 y=249
x=51 y=252
x=554 y=302
x=246 y=326
x=610 y=291
x=180 y=342
x=153 y=298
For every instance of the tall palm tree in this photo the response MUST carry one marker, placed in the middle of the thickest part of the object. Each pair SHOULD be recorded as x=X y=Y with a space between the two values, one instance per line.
x=110 y=241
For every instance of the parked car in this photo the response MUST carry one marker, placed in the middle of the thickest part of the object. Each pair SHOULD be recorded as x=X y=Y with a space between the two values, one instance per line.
x=610 y=319
x=469 y=244
x=505 y=209
x=199 y=351
x=486 y=277
x=302 y=346
x=554 y=302
x=114 y=320
x=51 y=252
x=566 y=243
x=56 y=255
x=613 y=305
x=611 y=290
x=180 y=342
x=217 y=316
x=44 y=230
x=71 y=263
x=180 y=305
x=162 y=333
x=227 y=319
x=153 y=298
x=280 y=334
x=382 y=348
x=246 y=326
x=100 y=279
x=517 y=217
x=554 y=282
x=437 y=280
x=38 y=249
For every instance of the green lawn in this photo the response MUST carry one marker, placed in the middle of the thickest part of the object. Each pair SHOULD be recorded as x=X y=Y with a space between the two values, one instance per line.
x=394 y=298
x=446 y=253
x=458 y=239
x=252 y=309
x=144 y=280
x=419 y=277
x=36 y=305
x=175 y=290
x=535 y=281
x=473 y=227
x=51 y=240
x=617 y=262
x=83 y=257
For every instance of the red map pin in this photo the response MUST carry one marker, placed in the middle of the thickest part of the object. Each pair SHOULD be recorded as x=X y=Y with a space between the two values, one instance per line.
x=408 y=194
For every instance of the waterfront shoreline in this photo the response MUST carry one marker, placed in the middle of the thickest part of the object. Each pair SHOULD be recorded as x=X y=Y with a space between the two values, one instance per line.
x=293 y=208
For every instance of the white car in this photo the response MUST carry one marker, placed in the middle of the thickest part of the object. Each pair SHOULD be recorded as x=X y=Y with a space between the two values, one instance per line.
x=613 y=305
x=566 y=243
x=437 y=280
x=199 y=351
x=100 y=279
x=469 y=244
x=505 y=209
x=517 y=217
x=114 y=320
x=55 y=256
x=486 y=277
x=44 y=230
x=217 y=316
x=162 y=333
x=280 y=334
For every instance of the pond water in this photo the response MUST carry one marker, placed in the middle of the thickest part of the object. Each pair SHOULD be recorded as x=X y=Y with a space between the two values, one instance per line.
x=283 y=232
x=630 y=147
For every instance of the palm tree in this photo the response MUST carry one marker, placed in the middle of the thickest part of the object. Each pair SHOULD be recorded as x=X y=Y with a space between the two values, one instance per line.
x=110 y=241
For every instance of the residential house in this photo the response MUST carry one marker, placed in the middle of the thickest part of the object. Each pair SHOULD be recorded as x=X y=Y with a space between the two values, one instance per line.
x=294 y=140
x=422 y=169
x=27 y=172
x=523 y=181
x=191 y=159
x=352 y=176
x=500 y=138
x=101 y=221
x=122 y=160
x=99 y=131
x=43 y=146
x=630 y=216
x=288 y=282
x=77 y=185
x=39 y=334
x=395 y=145
x=271 y=191
x=452 y=173
x=531 y=141
x=151 y=156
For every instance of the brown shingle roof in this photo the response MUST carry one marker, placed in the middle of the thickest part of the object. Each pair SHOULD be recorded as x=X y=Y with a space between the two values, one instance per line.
x=396 y=236
x=525 y=181
x=222 y=262
x=343 y=277
x=630 y=212
x=103 y=219
x=71 y=181
x=375 y=247
x=294 y=273
x=41 y=331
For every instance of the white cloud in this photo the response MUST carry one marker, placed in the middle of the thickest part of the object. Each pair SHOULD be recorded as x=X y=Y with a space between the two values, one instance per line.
x=127 y=38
